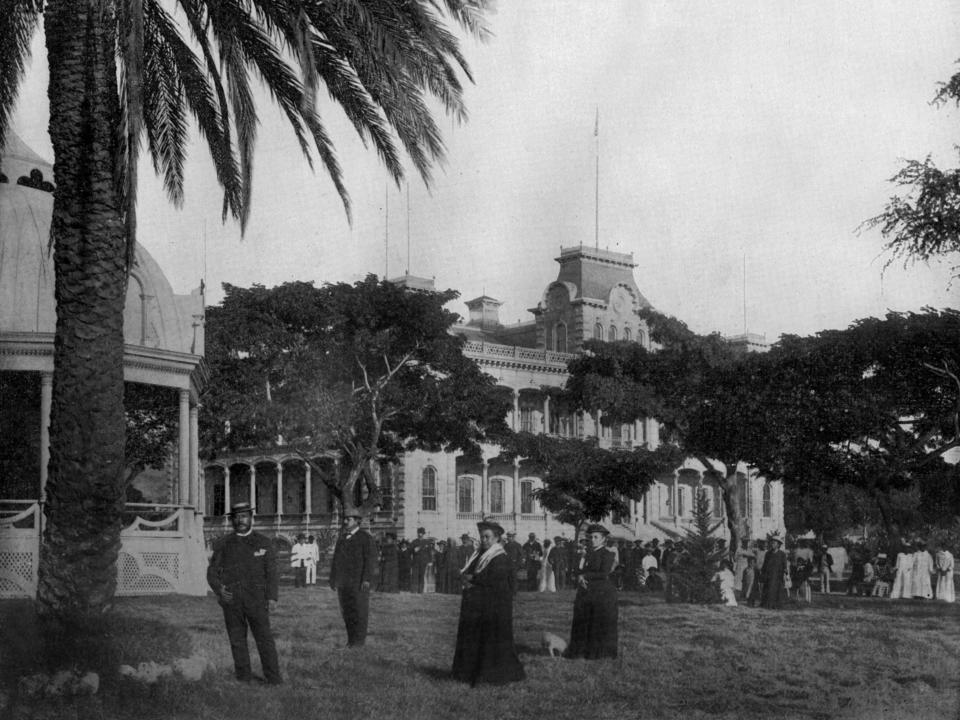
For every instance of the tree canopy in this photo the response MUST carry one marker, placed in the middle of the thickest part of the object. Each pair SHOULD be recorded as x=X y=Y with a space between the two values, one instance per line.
x=874 y=406
x=369 y=370
x=924 y=222
x=583 y=482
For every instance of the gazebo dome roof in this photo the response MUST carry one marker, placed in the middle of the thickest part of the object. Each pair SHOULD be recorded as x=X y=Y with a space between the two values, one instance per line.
x=154 y=316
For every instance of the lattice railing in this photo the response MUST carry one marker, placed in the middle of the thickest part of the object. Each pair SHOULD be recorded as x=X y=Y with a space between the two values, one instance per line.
x=19 y=547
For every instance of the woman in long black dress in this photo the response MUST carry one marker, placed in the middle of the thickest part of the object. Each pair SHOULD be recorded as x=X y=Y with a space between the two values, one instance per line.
x=594 y=631
x=485 y=651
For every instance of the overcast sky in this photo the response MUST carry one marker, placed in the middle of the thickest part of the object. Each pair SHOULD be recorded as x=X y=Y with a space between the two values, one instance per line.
x=741 y=144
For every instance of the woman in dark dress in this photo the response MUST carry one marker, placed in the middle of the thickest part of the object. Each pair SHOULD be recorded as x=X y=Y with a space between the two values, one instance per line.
x=389 y=567
x=403 y=566
x=485 y=652
x=594 y=631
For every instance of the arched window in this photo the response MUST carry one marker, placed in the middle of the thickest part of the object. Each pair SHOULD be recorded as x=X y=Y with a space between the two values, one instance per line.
x=642 y=338
x=681 y=501
x=496 y=496
x=767 y=509
x=598 y=332
x=526 y=497
x=613 y=334
x=560 y=338
x=428 y=488
x=627 y=334
x=465 y=494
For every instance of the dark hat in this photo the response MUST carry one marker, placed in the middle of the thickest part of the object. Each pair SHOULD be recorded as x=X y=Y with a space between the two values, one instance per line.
x=490 y=525
x=596 y=527
x=464 y=537
x=421 y=531
x=240 y=508
x=351 y=511
x=511 y=534
x=532 y=536
x=557 y=538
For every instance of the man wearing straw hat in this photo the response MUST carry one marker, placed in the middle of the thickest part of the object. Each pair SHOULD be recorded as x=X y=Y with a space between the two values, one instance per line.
x=243 y=574
x=352 y=572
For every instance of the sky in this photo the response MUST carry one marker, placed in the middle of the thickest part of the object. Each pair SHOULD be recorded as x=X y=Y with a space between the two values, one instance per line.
x=740 y=147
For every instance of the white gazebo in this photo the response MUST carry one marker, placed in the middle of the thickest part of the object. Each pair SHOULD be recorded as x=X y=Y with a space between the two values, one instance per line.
x=162 y=543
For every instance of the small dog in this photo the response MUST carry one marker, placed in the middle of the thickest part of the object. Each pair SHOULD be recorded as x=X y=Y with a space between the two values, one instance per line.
x=553 y=644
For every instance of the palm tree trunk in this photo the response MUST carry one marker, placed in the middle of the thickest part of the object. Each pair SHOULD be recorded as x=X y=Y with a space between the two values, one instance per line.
x=85 y=490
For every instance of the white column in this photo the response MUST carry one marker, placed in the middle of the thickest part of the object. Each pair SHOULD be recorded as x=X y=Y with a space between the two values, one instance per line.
x=183 y=445
x=484 y=494
x=308 y=489
x=516 y=410
x=279 y=490
x=546 y=414
x=196 y=484
x=253 y=486
x=46 y=399
x=226 y=490
x=516 y=494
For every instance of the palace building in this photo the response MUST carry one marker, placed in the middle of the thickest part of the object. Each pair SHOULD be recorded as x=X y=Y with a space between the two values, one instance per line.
x=594 y=296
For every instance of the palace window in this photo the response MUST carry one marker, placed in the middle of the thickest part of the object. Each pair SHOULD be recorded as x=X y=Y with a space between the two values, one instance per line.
x=627 y=334
x=767 y=510
x=386 y=487
x=681 y=501
x=428 y=488
x=496 y=496
x=526 y=419
x=526 y=497
x=465 y=494
x=717 y=501
x=613 y=334
x=598 y=332
x=641 y=338
x=560 y=338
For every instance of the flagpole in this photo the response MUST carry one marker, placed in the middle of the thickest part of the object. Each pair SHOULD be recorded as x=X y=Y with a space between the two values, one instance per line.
x=596 y=181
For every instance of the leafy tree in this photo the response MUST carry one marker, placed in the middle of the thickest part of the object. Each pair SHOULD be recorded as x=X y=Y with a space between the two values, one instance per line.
x=924 y=223
x=370 y=370
x=697 y=559
x=122 y=71
x=152 y=423
x=583 y=482
x=699 y=388
x=876 y=405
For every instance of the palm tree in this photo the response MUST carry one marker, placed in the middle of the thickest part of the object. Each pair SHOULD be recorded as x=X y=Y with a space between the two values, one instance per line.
x=122 y=71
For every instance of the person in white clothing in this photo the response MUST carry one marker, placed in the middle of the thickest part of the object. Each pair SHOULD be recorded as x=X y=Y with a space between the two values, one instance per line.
x=724 y=580
x=547 y=581
x=903 y=579
x=298 y=561
x=944 y=567
x=312 y=557
x=922 y=570
x=648 y=563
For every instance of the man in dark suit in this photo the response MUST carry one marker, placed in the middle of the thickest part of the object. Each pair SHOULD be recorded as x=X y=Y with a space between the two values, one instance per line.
x=533 y=558
x=352 y=573
x=515 y=552
x=421 y=551
x=244 y=576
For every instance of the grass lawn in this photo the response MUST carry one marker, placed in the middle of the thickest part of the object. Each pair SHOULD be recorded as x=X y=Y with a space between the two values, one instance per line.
x=838 y=658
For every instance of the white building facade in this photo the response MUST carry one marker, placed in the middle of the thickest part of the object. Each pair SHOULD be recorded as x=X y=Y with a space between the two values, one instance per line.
x=594 y=296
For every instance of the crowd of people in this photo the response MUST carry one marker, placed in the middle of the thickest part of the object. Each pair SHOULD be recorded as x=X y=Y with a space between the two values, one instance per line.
x=488 y=573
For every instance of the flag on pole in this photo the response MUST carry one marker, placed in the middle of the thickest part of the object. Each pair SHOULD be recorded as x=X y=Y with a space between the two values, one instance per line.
x=596 y=124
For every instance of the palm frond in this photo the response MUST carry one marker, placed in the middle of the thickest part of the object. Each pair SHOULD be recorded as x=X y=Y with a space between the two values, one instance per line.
x=205 y=96
x=18 y=21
